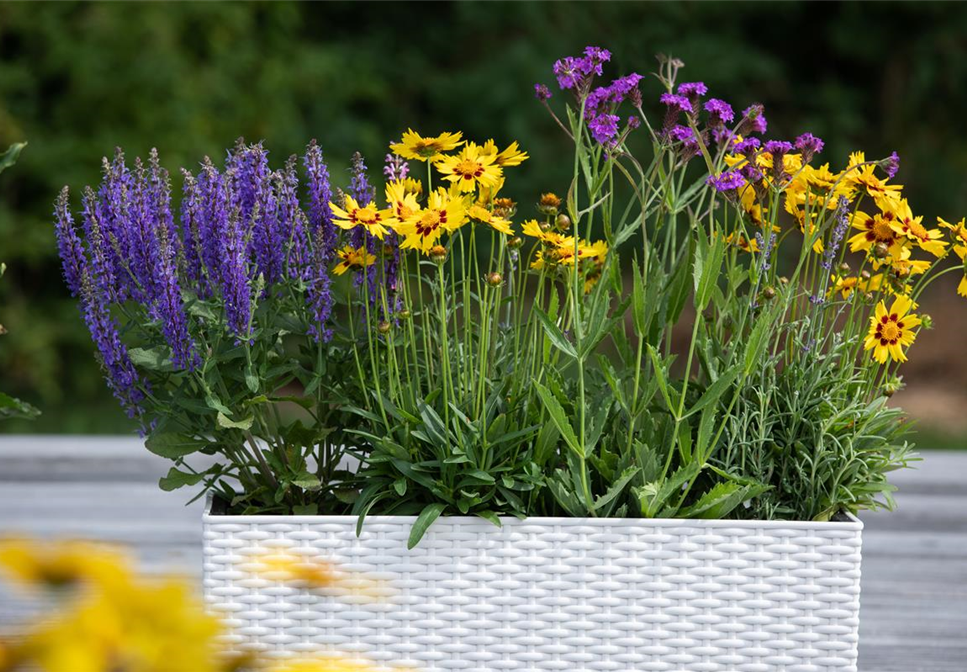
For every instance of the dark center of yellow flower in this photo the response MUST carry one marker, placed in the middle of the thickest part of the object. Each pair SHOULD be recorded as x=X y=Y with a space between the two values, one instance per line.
x=916 y=229
x=430 y=221
x=879 y=229
x=889 y=329
x=468 y=169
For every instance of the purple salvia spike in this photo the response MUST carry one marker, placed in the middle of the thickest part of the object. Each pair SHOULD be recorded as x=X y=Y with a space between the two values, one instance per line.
x=212 y=222
x=103 y=269
x=319 y=293
x=267 y=243
x=112 y=211
x=190 y=242
x=291 y=222
x=320 y=195
x=234 y=277
x=69 y=243
x=168 y=304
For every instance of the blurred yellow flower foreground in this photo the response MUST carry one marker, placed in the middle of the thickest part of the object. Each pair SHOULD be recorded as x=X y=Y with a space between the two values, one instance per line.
x=110 y=619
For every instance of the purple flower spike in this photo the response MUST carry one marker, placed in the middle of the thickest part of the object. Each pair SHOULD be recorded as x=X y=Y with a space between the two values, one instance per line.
x=319 y=293
x=69 y=244
x=778 y=149
x=395 y=167
x=604 y=127
x=542 y=93
x=234 y=276
x=727 y=182
x=809 y=145
x=754 y=120
x=892 y=165
x=685 y=135
x=320 y=194
x=693 y=91
x=719 y=113
x=569 y=72
x=676 y=105
x=633 y=122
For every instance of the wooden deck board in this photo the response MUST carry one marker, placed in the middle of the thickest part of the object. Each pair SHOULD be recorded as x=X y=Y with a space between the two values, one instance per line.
x=914 y=600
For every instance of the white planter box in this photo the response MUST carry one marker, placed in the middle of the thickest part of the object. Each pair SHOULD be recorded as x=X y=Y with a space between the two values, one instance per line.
x=552 y=593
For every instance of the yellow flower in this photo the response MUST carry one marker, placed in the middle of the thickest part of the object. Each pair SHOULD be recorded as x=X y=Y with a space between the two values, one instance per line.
x=485 y=216
x=598 y=254
x=863 y=179
x=561 y=251
x=903 y=222
x=353 y=258
x=892 y=330
x=65 y=563
x=959 y=234
x=423 y=228
x=512 y=156
x=470 y=167
x=374 y=220
x=874 y=230
x=742 y=242
x=327 y=664
x=847 y=285
x=401 y=199
x=416 y=147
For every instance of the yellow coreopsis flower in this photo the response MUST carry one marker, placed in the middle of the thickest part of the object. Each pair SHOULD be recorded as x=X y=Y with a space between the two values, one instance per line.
x=416 y=147
x=485 y=216
x=562 y=252
x=863 y=179
x=512 y=156
x=874 y=230
x=376 y=222
x=350 y=257
x=63 y=564
x=892 y=330
x=402 y=199
x=470 y=167
x=742 y=242
x=959 y=233
x=847 y=285
x=905 y=223
x=423 y=228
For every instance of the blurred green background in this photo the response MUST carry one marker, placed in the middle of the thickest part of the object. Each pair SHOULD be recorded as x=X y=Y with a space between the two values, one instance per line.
x=76 y=80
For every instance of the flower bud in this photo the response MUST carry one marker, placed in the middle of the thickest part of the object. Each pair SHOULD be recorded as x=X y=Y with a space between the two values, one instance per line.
x=783 y=280
x=844 y=267
x=926 y=321
x=549 y=204
x=769 y=292
x=881 y=250
x=383 y=327
x=404 y=314
x=563 y=222
x=865 y=275
x=494 y=279
x=544 y=226
x=892 y=386
x=515 y=242
x=438 y=253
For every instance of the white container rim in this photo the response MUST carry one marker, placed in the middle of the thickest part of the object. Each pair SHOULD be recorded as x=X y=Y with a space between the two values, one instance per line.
x=851 y=524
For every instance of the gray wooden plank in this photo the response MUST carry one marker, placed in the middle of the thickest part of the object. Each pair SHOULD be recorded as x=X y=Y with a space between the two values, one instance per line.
x=914 y=599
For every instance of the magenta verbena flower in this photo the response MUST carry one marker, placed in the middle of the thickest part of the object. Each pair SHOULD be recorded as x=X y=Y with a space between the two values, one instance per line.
x=541 y=92
x=754 y=119
x=719 y=112
x=809 y=145
x=604 y=127
x=693 y=91
x=747 y=147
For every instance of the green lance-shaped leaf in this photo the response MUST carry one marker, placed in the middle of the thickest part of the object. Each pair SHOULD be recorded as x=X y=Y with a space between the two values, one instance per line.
x=715 y=391
x=554 y=333
x=179 y=479
x=677 y=287
x=638 y=303
x=426 y=518
x=720 y=500
x=659 y=368
x=707 y=267
x=173 y=445
x=9 y=157
x=559 y=418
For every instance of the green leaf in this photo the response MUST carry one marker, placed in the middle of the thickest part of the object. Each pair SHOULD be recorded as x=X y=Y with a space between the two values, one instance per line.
x=307 y=481
x=554 y=333
x=720 y=500
x=9 y=157
x=226 y=423
x=216 y=405
x=714 y=391
x=559 y=418
x=173 y=445
x=11 y=407
x=179 y=479
x=306 y=509
x=615 y=489
x=426 y=518
x=152 y=359
x=753 y=346
x=491 y=516
x=659 y=369
x=678 y=286
x=251 y=380
x=705 y=426
x=638 y=303
x=708 y=266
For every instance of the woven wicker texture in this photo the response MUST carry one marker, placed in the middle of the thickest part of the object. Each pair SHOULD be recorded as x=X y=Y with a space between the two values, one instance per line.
x=551 y=594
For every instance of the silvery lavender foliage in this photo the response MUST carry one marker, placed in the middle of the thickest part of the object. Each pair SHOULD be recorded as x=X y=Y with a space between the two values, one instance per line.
x=68 y=243
x=839 y=232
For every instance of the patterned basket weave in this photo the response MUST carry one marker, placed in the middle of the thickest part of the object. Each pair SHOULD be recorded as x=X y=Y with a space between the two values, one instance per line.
x=551 y=593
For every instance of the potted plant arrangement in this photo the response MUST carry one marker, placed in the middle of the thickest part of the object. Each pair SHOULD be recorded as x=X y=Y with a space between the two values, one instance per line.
x=482 y=405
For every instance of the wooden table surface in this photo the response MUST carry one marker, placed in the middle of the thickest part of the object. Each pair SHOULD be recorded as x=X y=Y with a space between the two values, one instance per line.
x=914 y=596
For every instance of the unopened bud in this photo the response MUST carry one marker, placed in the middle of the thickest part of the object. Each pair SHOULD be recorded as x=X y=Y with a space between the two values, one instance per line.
x=563 y=222
x=404 y=314
x=438 y=253
x=881 y=250
x=383 y=327
x=515 y=242
x=783 y=280
x=926 y=321
x=769 y=292
x=844 y=267
x=865 y=275
x=494 y=279
x=545 y=226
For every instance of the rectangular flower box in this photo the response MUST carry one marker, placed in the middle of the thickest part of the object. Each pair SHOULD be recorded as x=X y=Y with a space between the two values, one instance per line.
x=551 y=593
